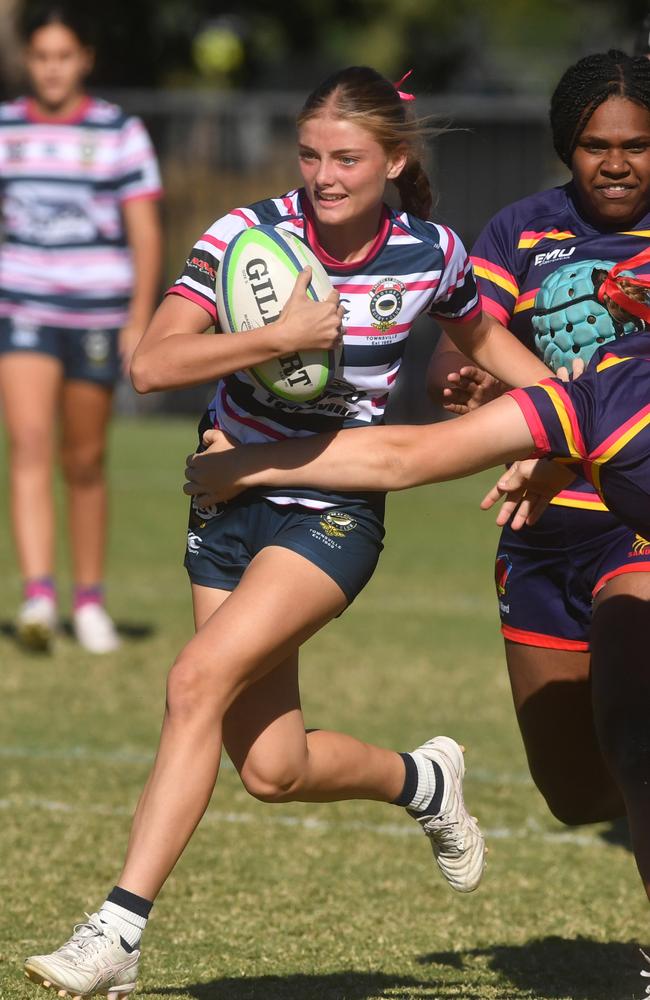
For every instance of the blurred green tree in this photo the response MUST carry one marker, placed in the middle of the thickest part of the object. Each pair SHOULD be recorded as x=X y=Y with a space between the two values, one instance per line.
x=496 y=46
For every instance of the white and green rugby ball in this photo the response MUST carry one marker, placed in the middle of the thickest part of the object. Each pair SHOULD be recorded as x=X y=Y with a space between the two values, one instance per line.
x=254 y=282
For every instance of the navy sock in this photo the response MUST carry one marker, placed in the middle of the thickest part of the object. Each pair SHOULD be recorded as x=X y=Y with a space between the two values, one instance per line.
x=407 y=794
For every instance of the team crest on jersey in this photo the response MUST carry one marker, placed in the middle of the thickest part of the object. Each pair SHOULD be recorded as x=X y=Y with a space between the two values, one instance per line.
x=386 y=300
x=87 y=150
x=336 y=523
x=640 y=546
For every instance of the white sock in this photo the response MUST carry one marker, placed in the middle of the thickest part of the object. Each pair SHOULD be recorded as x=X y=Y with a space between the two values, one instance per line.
x=425 y=784
x=129 y=925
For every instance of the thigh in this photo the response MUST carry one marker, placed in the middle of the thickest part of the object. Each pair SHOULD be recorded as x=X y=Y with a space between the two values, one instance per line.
x=30 y=387
x=264 y=729
x=552 y=695
x=265 y=723
x=621 y=675
x=281 y=600
x=85 y=410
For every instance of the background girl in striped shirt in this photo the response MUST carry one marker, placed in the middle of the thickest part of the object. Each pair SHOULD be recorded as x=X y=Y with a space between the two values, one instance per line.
x=79 y=279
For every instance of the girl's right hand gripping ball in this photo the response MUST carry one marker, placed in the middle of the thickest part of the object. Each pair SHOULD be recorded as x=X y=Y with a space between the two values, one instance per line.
x=254 y=283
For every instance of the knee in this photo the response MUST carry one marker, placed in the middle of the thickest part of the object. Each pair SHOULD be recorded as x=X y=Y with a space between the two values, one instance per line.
x=83 y=466
x=272 y=780
x=576 y=805
x=625 y=742
x=575 y=812
x=29 y=448
x=189 y=690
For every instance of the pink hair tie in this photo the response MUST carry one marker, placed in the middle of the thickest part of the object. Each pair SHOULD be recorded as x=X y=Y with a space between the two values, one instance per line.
x=403 y=96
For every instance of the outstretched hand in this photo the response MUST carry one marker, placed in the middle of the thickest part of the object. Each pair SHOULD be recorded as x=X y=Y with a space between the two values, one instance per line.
x=211 y=475
x=528 y=487
x=469 y=388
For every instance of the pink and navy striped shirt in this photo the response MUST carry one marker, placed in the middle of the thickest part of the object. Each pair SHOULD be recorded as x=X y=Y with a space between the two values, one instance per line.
x=412 y=267
x=64 y=259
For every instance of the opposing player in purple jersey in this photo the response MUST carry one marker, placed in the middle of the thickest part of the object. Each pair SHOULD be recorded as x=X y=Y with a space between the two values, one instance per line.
x=272 y=568
x=79 y=274
x=574 y=589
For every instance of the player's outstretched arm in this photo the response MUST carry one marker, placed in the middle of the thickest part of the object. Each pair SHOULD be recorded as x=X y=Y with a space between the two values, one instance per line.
x=373 y=458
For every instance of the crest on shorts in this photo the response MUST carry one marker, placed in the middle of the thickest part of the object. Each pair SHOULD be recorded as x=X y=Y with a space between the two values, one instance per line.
x=502 y=569
x=336 y=523
x=640 y=546
x=97 y=345
x=386 y=300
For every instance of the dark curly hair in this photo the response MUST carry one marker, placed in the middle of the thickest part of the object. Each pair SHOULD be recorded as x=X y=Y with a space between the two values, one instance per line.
x=588 y=84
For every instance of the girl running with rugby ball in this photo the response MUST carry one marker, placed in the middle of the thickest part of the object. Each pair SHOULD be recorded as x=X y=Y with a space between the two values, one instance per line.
x=291 y=560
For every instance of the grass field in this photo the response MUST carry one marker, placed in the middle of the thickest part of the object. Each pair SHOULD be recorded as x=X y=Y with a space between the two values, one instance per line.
x=303 y=902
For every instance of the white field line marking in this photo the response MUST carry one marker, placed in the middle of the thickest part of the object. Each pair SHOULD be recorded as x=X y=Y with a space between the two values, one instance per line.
x=531 y=831
x=481 y=775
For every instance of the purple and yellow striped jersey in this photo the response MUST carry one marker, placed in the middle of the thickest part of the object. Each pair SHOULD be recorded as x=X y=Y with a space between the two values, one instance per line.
x=600 y=426
x=414 y=266
x=64 y=259
x=529 y=240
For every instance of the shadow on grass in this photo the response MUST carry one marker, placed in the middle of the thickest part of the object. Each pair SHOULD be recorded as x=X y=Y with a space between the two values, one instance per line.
x=131 y=631
x=557 y=967
x=127 y=630
x=548 y=968
x=618 y=834
x=335 y=986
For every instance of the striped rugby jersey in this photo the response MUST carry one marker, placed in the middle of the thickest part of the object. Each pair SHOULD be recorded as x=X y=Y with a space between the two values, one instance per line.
x=524 y=243
x=600 y=425
x=413 y=267
x=64 y=260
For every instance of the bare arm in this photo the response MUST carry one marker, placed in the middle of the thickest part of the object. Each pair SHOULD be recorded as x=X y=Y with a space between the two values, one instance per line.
x=496 y=350
x=445 y=359
x=457 y=384
x=373 y=458
x=174 y=353
x=144 y=237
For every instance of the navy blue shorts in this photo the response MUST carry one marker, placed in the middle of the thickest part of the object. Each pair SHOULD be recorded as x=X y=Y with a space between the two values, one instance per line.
x=86 y=355
x=344 y=541
x=547 y=576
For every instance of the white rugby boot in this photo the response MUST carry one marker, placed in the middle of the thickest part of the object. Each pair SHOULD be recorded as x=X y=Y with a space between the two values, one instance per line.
x=93 y=962
x=455 y=836
x=94 y=629
x=36 y=623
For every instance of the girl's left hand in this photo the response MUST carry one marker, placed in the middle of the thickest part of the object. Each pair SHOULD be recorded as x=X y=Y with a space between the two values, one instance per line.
x=469 y=388
x=211 y=475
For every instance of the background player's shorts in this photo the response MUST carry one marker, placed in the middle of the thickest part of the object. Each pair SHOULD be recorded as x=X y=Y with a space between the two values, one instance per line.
x=547 y=576
x=345 y=542
x=86 y=355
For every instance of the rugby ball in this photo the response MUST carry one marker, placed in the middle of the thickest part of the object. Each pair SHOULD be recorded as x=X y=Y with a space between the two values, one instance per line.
x=254 y=282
